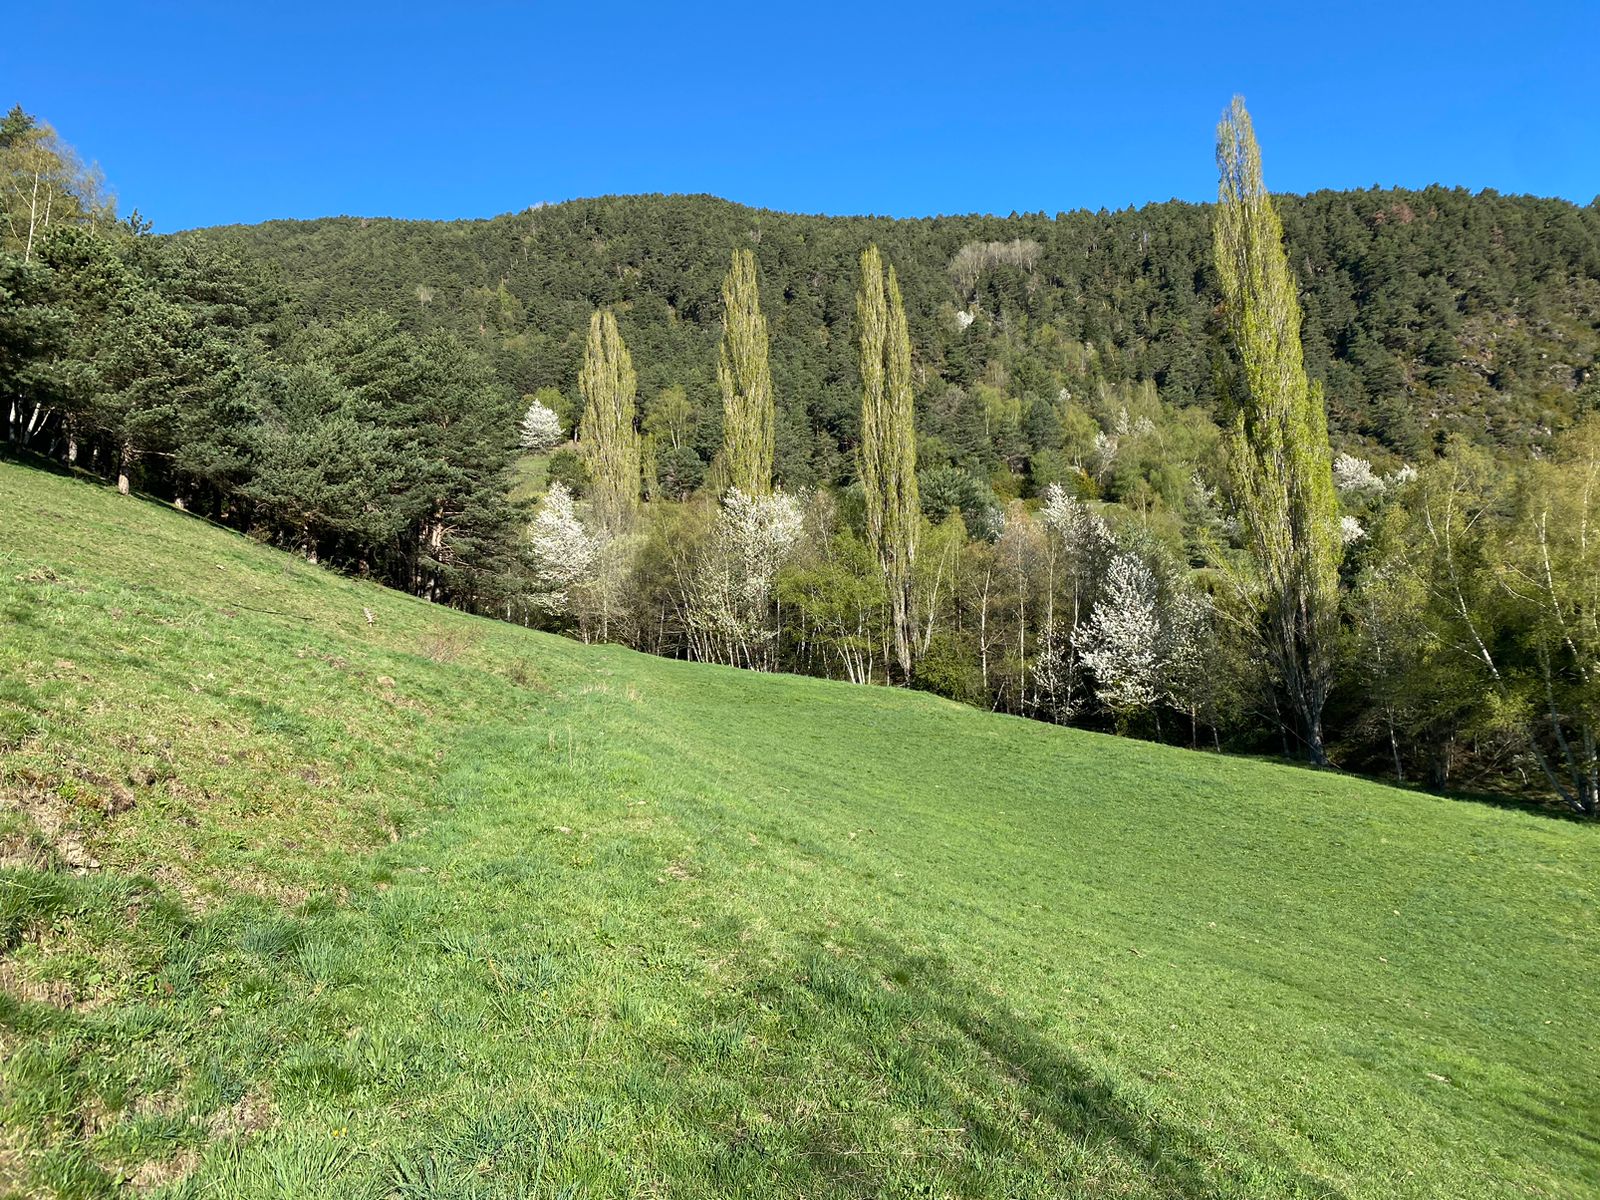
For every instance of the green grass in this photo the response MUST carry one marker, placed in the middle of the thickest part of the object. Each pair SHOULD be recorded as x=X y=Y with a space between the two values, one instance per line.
x=530 y=476
x=435 y=907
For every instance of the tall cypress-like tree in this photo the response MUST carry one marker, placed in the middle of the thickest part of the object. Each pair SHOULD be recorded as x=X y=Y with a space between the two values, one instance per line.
x=745 y=380
x=606 y=436
x=1278 y=440
x=889 y=444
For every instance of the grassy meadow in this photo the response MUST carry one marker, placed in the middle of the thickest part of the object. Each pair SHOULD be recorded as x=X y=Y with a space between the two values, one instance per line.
x=311 y=889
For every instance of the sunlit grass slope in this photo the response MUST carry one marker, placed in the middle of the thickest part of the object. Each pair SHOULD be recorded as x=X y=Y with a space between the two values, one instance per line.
x=302 y=903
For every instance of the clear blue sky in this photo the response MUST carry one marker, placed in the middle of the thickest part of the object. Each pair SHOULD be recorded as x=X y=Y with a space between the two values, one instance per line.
x=211 y=113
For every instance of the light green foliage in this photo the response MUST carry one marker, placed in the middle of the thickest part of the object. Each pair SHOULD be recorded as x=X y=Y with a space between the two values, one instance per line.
x=380 y=442
x=888 y=456
x=1553 y=578
x=673 y=470
x=745 y=380
x=433 y=905
x=1279 y=455
x=1478 y=604
x=672 y=419
x=607 y=437
x=839 y=600
x=43 y=185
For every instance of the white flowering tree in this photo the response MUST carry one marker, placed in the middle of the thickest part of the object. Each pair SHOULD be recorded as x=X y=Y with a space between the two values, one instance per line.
x=1082 y=548
x=540 y=429
x=1189 y=667
x=1122 y=642
x=1151 y=641
x=583 y=572
x=1055 y=673
x=731 y=605
x=1105 y=454
x=1082 y=533
x=564 y=552
x=1355 y=476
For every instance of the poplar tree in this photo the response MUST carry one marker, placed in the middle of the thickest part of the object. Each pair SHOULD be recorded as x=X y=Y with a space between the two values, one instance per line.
x=888 y=444
x=606 y=436
x=745 y=380
x=1279 y=458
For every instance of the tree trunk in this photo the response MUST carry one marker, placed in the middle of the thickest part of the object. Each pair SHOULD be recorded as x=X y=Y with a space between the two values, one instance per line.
x=1394 y=748
x=904 y=632
x=124 y=464
x=1316 y=751
x=33 y=217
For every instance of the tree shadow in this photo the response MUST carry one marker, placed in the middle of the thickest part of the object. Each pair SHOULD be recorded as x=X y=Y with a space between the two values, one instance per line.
x=1021 y=1113
x=1530 y=802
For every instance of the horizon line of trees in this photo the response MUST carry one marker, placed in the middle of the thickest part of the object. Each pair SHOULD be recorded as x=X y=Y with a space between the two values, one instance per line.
x=1427 y=313
x=1246 y=586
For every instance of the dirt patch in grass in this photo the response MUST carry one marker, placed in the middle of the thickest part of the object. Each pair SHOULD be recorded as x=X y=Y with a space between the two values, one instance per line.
x=57 y=993
x=50 y=827
x=13 y=1167
x=114 y=798
x=23 y=849
x=162 y=1172
x=524 y=674
x=246 y=1115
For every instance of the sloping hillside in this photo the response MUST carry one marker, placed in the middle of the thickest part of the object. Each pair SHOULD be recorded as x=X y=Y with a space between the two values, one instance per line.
x=1426 y=312
x=312 y=889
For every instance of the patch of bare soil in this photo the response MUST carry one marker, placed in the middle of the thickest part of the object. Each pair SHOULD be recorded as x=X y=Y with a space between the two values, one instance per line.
x=246 y=1115
x=162 y=1172
x=14 y=982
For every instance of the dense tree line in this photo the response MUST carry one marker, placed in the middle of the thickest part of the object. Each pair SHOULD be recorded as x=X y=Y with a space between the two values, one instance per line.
x=1077 y=469
x=1427 y=313
x=180 y=369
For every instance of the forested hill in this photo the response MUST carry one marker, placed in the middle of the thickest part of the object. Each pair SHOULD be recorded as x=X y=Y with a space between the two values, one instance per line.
x=1427 y=312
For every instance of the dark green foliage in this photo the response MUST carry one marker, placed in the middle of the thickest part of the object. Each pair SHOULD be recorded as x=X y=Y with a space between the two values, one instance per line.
x=679 y=472
x=178 y=367
x=319 y=470
x=351 y=389
x=31 y=329
x=410 y=444
x=566 y=467
x=946 y=490
x=1415 y=305
x=949 y=667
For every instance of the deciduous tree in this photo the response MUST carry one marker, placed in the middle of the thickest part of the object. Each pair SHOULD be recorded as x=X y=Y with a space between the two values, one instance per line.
x=1279 y=456
x=607 y=435
x=746 y=380
x=540 y=429
x=1122 y=641
x=563 y=550
x=888 y=457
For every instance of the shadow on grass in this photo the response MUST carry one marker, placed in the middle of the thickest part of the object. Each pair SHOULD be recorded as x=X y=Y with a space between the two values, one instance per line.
x=1023 y=1115
x=1531 y=802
